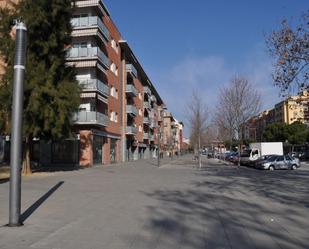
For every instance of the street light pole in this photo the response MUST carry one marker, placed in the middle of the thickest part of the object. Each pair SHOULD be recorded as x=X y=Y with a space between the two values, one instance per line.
x=17 y=114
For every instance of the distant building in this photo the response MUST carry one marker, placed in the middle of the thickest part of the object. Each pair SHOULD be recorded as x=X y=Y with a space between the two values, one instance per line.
x=294 y=108
x=288 y=111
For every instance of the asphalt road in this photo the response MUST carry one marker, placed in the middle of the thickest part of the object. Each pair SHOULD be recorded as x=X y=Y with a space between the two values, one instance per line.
x=140 y=206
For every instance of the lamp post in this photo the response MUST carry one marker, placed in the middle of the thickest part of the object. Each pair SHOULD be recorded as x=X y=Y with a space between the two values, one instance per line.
x=17 y=114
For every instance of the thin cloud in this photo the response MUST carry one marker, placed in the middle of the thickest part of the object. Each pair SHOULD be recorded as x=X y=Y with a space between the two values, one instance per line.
x=208 y=75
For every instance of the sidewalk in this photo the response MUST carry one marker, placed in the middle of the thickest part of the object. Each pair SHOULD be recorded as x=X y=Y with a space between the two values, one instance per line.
x=142 y=206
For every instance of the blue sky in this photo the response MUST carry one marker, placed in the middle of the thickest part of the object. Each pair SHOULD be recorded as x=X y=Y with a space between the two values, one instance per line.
x=202 y=44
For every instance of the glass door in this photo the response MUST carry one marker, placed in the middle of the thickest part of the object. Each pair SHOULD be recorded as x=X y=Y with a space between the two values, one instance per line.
x=97 y=150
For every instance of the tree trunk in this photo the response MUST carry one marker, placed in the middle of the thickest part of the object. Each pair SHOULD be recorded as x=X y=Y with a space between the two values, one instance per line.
x=199 y=151
x=239 y=154
x=26 y=158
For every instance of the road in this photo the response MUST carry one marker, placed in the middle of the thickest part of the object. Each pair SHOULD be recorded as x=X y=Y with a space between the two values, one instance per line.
x=141 y=206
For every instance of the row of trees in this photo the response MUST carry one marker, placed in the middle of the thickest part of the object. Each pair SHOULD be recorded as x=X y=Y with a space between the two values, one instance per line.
x=295 y=133
x=51 y=91
x=289 y=47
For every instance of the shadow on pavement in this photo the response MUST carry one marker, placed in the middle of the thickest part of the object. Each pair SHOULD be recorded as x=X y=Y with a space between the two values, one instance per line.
x=39 y=202
x=229 y=208
x=4 y=180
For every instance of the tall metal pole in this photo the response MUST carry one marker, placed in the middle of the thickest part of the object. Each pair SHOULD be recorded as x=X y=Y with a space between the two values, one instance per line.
x=17 y=113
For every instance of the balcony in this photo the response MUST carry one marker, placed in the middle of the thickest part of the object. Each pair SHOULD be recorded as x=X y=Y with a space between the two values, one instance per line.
x=147 y=105
x=131 y=130
x=131 y=110
x=94 y=85
x=146 y=120
x=147 y=90
x=146 y=136
x=131 y=70
x=80 y=53
x=90 y=22
x=91 y=118
x=152 y=124
x=131 y=91
x=153 y=98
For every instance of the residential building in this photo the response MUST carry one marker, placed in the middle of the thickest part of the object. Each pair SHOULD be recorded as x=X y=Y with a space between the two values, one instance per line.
x=288 y=111
x=292 y=109
x=169 y=132
x=97 y=62
x=120 y=116
x=249 y=129
x=140 y=116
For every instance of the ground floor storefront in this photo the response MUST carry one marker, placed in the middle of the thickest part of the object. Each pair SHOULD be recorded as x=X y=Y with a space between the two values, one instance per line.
x=97 y=148
x=137 y=150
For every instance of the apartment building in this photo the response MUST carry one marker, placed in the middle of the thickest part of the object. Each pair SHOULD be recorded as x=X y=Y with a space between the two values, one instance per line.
x=169 y=132
x=140 y=116
x=288 y=111
x=292 y=109
x=120 y=116
x=95 y=55
x=179 y=126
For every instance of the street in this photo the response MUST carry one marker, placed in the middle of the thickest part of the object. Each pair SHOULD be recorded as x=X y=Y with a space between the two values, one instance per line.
x=140 y=206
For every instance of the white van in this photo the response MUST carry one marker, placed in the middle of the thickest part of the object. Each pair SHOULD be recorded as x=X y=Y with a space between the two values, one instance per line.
x=256 y=150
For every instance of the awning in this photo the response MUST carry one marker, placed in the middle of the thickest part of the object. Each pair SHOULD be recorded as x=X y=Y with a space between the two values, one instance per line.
x=81 y=64
x=84 y=32
x=105 y=134
x=101 y=98
x=88 y=95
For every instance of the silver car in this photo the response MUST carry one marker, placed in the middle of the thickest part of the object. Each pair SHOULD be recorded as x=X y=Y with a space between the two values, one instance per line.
x=279 y=162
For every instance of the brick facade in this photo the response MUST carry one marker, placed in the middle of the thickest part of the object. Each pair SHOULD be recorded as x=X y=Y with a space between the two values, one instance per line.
x=120 y=116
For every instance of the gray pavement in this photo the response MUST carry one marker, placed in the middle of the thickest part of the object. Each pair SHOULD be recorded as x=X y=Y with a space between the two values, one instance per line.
x=140 y=206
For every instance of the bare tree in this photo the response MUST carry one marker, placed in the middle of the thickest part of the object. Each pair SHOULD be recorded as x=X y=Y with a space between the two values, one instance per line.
x=197 y=119
x=238 y=102
x=290 y=48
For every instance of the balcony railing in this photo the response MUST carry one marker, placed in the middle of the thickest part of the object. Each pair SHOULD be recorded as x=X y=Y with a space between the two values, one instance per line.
x=132 y=110
x=147 y=90
x=94 y=85
x=94 y=118
x=146 y=136
x=131 y=130
x=130 y=89
x=147 y=105
x=152 y=124
x=146 y=120
x=88 y=53
x=90 y=22
x=131 y=69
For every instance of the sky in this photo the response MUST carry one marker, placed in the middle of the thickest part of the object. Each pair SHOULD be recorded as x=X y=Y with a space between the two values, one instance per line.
x=201 y=44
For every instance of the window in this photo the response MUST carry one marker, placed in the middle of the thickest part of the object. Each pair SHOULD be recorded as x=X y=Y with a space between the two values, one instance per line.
x=114 y=69
x=114 y=46
x=114 y=117
x=140 y=128
x=114 y=92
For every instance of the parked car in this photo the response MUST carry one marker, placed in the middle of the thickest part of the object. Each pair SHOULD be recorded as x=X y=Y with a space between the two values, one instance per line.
x=230 y=156
x=279 y=162
x=262 y=159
